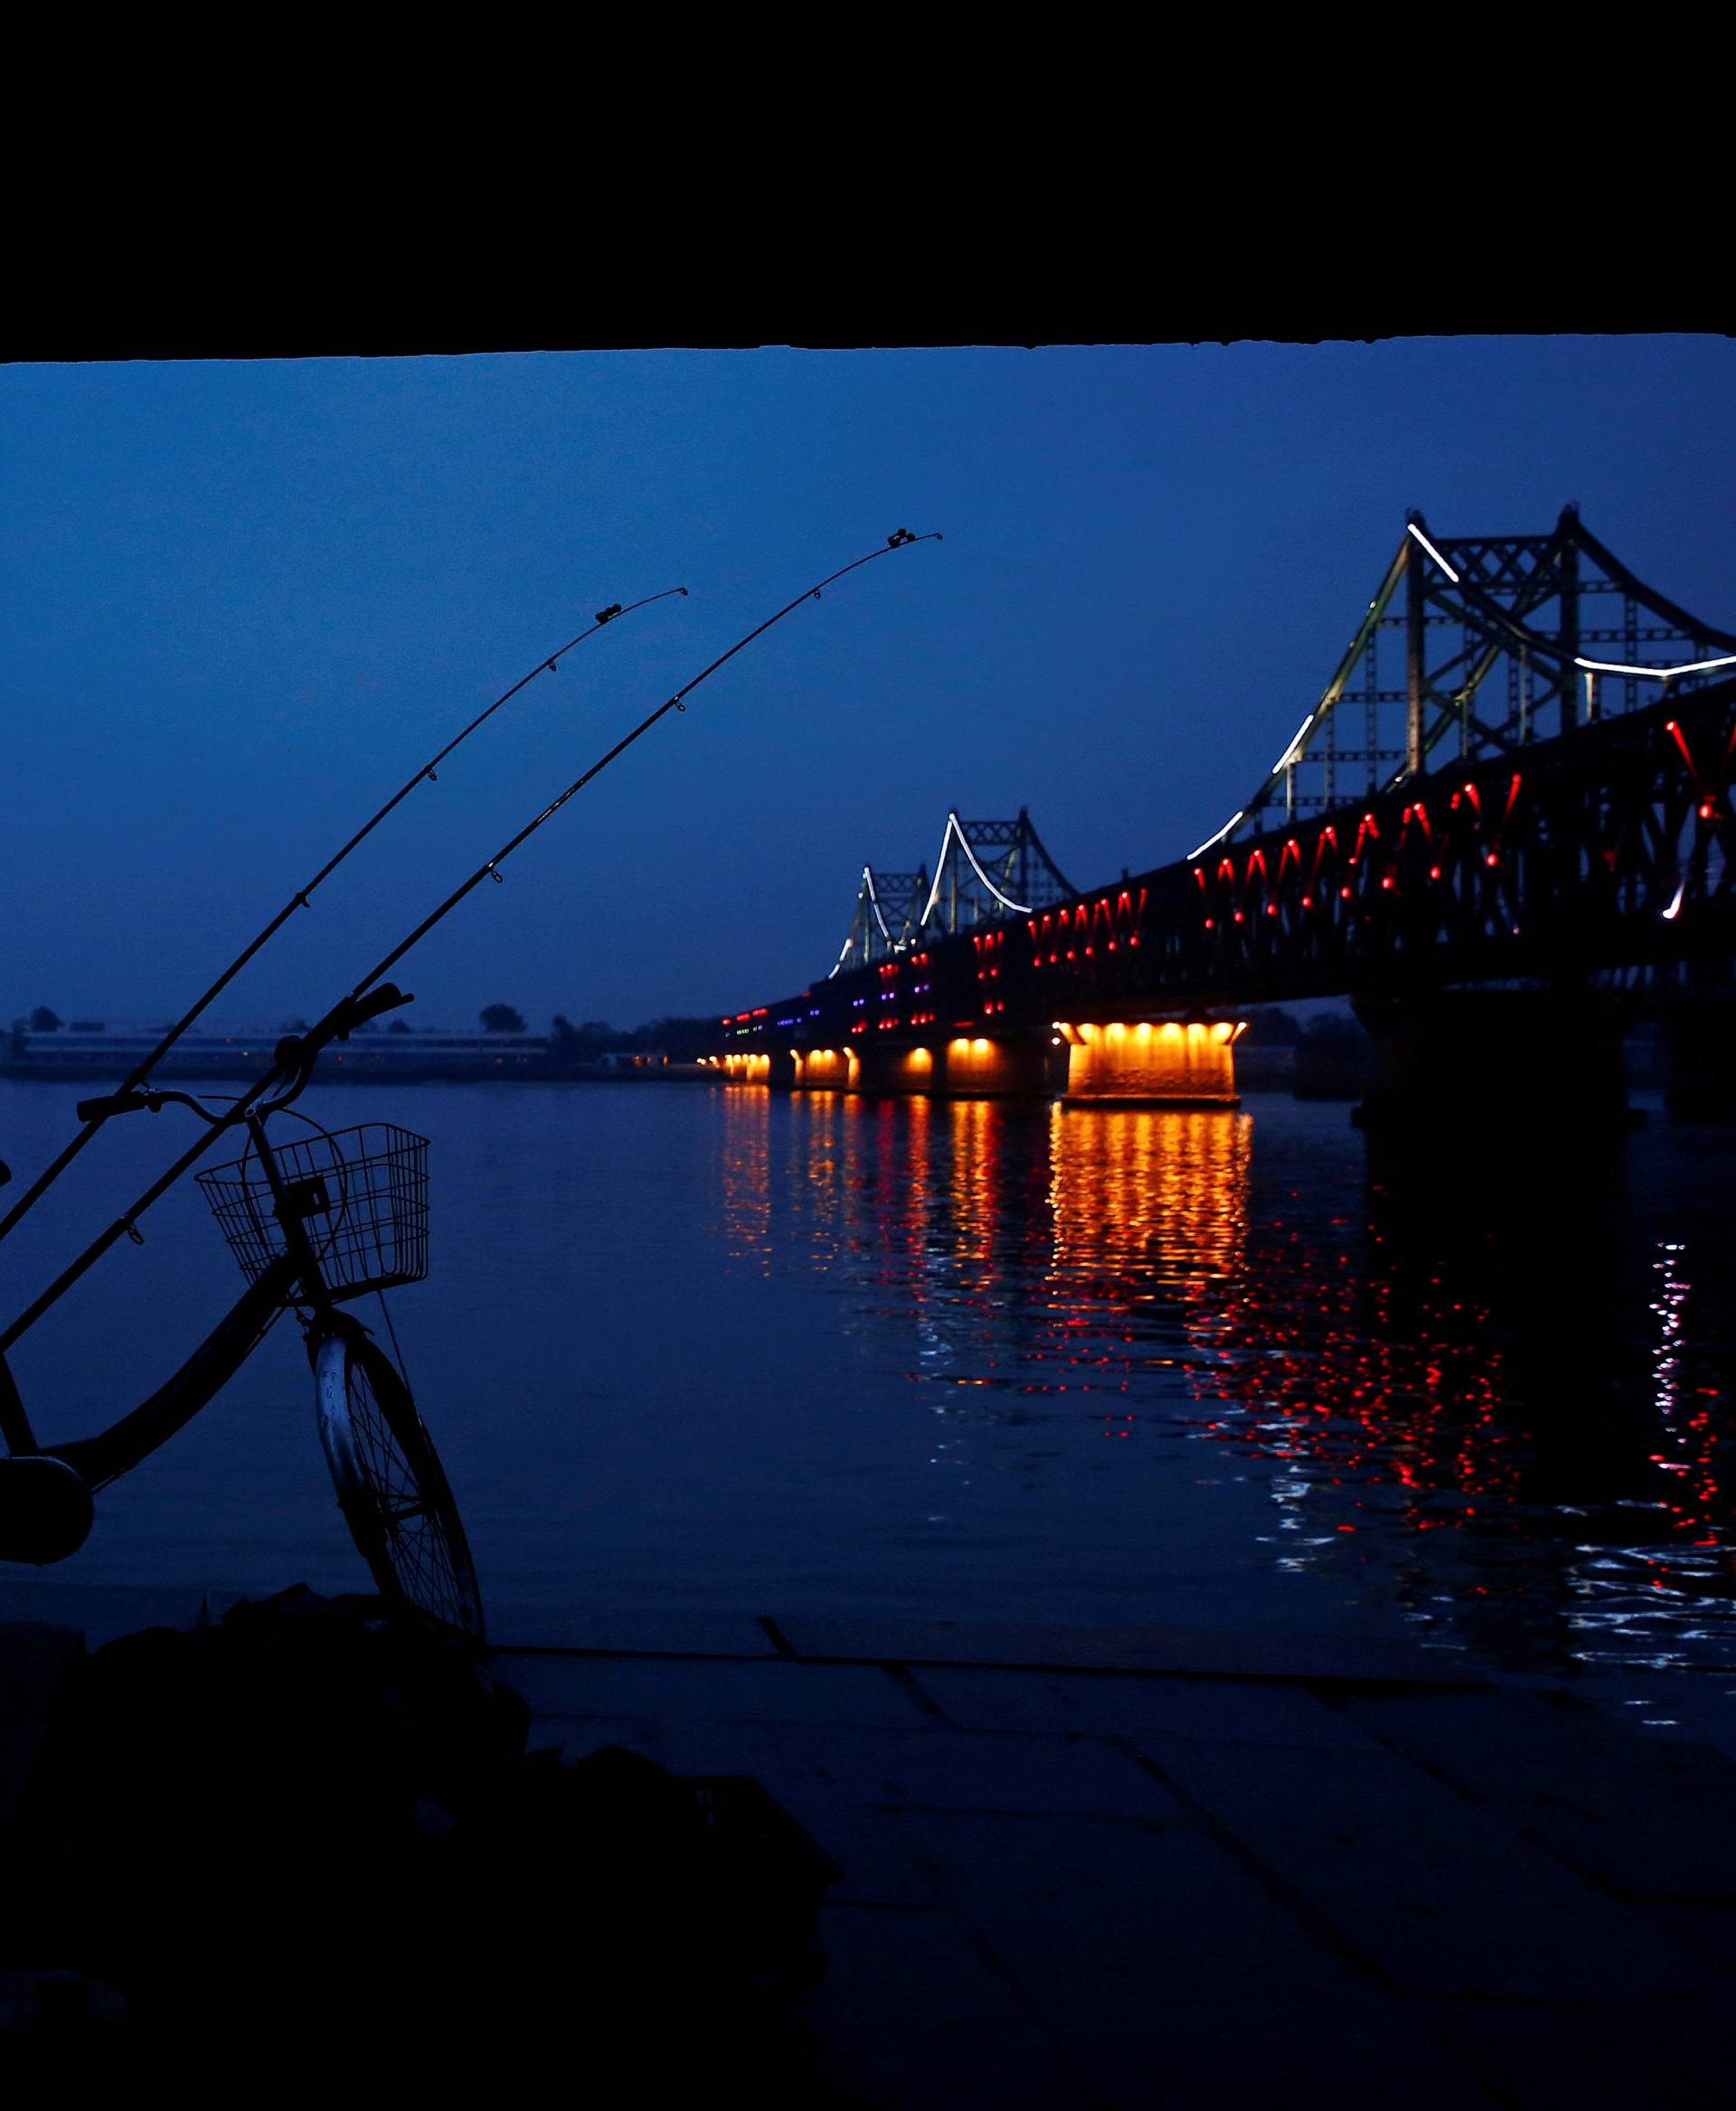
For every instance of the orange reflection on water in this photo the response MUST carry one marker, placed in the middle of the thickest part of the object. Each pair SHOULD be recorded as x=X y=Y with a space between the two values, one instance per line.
x=1137 y=1189
x=1425 y=1393
x=1150 y=1225
x=746 y=1174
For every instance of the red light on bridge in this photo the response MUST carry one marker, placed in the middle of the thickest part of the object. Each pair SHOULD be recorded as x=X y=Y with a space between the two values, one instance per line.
x=1491 y=857
x=1238 y=915
x=1434 y=872
x=1343 y=894
x=1388 y=882
x=1707 y=809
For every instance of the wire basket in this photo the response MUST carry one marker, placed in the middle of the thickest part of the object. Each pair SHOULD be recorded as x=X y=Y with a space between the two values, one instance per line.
x=361 y=1195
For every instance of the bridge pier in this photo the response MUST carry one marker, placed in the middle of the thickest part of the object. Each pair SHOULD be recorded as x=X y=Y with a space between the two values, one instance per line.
x=1138 y=1064
x=774 y=1067
x=823 y=1070
x=897 y=1070
x=1496 y=1058
x=981 y=1067
x=867 y=1068
x=1142 y=1064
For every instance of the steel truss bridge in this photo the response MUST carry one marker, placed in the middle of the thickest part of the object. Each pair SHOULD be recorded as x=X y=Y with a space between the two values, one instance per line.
x=986 y=870
x=1520 y=772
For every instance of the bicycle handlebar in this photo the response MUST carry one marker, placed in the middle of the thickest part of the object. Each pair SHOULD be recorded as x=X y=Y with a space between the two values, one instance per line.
x=298 y=1051
x=101 y=1108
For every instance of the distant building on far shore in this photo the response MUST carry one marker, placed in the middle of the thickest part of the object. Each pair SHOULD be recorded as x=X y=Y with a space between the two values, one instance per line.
x=410 y=1058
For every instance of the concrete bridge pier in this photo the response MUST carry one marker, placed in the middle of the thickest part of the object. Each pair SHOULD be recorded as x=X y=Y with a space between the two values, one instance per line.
x=865 y=1067
x=1144 y=1062
x=775 y=1067
x=976 y=1066
x=823 y=1070
x=1536 y=1058
x=884 y=1070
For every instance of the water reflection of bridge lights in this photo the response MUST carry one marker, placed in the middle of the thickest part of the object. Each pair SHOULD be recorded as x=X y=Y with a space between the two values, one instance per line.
x=1105 y=1285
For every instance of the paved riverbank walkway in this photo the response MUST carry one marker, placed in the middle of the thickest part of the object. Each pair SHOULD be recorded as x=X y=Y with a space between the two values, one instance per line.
x=1147 y=1869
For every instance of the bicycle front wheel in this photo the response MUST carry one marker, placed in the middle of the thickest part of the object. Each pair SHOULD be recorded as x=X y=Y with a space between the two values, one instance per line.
x=390 y=1485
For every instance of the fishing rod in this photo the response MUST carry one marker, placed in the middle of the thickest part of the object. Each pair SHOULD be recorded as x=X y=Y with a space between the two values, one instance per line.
x=303 y=895
x=491 y=870
x=294 y=1055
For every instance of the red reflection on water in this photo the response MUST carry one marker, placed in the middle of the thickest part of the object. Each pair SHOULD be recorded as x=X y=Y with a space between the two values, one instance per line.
x=1429 y=1361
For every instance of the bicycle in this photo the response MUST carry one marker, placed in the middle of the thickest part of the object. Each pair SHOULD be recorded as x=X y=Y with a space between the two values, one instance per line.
x=388 y=1477
x=313 y=1222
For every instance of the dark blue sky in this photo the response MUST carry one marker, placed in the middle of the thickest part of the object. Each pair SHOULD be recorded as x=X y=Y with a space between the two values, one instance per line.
x=242 y=601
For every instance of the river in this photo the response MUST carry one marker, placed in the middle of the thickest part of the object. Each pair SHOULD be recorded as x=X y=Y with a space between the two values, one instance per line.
x=691 y=1345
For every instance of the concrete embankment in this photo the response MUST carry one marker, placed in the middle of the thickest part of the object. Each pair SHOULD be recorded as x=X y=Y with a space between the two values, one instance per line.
x=1158 y=1866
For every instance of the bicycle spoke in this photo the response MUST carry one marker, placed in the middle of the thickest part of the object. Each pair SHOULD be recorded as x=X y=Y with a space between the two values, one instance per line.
x=408 y=1508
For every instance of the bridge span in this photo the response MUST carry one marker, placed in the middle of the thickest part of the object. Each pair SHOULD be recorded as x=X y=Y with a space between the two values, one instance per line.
x=1503 y=831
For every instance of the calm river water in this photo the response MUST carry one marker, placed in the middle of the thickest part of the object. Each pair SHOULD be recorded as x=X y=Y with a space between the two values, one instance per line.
x=690 y=1345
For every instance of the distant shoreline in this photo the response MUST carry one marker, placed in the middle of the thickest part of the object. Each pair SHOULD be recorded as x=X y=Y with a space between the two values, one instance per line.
x=340 y=1072
x=96 y=1055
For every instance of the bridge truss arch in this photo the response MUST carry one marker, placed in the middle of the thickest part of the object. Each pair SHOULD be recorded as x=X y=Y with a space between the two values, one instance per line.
x=888 y=917
x=1474 y=648
x=986 y=870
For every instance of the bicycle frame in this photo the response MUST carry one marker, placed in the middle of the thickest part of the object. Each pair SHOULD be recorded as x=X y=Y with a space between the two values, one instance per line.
x=295 y=1277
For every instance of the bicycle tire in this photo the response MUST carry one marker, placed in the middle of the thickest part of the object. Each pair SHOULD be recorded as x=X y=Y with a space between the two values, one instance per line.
x=390 y=1485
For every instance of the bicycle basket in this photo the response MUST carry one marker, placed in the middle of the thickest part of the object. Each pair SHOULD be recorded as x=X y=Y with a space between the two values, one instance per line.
x=361 y=1195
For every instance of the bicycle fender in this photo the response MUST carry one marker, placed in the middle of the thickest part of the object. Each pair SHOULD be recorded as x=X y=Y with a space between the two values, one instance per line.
x=45 y=1509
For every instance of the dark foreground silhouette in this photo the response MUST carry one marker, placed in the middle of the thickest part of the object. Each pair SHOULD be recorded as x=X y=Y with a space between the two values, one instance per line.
x=313 y=1831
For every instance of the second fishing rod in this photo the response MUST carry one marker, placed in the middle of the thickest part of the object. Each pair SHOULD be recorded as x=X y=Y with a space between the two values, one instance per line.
x=301 y=897
x=368 y=997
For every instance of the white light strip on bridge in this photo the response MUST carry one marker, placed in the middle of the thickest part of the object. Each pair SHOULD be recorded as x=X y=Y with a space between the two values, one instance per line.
x=1675 y=909
x=874 y=902
x=1411 y=528
x=842 y=957
x=1656 y=673
x=1290 y=753
x=955 y=827
x=1218 y=838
